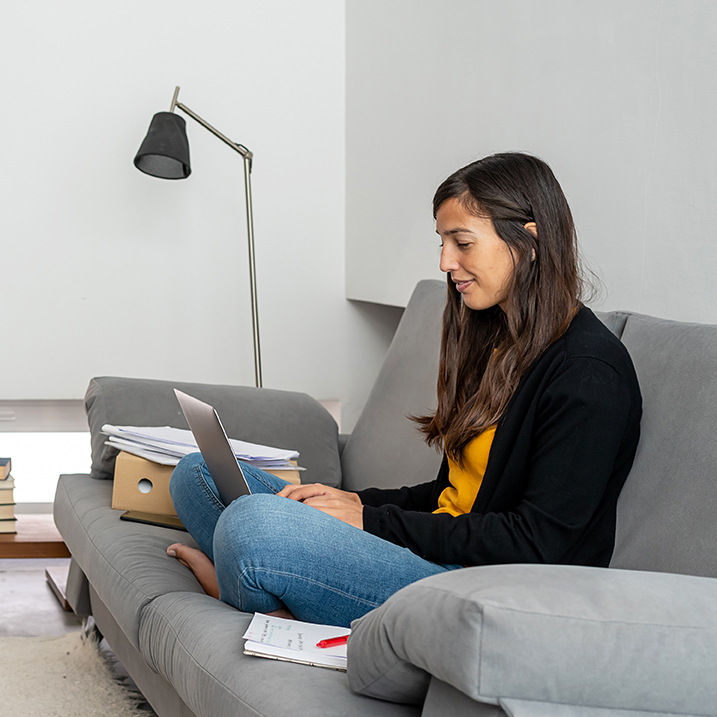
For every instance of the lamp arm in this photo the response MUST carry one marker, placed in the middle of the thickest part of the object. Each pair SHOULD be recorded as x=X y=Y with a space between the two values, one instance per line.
x=234 y=145
x=248 y=156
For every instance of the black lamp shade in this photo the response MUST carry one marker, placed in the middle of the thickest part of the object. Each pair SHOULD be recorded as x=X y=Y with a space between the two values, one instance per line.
x=164 y=152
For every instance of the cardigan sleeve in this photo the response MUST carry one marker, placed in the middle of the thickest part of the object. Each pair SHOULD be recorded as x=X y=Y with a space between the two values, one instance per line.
x=580 y=424
x=417 y=497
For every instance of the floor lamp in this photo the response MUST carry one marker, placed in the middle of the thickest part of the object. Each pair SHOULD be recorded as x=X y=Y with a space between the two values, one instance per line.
x=164 y=153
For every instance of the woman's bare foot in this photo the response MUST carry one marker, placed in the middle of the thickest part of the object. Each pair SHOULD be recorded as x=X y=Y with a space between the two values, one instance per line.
x=199 y=564
x=203 y=569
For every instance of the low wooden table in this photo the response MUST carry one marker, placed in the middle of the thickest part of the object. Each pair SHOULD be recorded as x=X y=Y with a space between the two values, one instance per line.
x=36 y=537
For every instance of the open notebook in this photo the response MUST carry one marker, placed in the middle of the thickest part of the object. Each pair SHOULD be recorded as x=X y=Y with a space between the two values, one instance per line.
x=295 y=641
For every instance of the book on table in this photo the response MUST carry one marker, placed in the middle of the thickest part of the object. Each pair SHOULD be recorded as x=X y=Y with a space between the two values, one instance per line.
x=7 y=502
x=8 y=526
x=5 y=467
x=6 y=488
x=295 y=641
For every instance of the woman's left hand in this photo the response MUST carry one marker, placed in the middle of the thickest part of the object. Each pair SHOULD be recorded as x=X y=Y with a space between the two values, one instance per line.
x=338 y=503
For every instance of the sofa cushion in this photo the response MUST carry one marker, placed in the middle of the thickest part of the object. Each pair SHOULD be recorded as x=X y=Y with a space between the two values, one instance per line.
x=195 y=642
x=584 y=637
x=665 y=516
x=284 y=419
x=125 y=562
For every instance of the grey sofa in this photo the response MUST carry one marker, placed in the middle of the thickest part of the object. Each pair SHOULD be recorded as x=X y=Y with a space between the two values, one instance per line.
x=638 y=638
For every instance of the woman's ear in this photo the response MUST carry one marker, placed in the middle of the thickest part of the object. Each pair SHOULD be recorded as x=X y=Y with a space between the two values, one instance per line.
x=533 y=229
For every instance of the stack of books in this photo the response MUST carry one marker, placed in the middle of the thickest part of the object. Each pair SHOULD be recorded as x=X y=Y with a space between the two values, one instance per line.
x=7 y=502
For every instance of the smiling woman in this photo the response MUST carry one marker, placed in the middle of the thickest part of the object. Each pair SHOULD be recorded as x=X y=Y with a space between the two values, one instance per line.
x=510 y=252
x=479 y=262
x=538 y=418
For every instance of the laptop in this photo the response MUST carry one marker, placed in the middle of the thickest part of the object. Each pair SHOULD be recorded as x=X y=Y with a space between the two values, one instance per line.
x=215 y=448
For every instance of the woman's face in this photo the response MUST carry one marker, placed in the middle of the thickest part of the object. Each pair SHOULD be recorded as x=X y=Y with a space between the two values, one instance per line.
x=478 y=260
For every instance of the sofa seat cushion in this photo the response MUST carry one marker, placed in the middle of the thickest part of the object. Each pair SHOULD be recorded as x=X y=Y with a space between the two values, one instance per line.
x=525 y=635
x=125 y=562
x=195 y=642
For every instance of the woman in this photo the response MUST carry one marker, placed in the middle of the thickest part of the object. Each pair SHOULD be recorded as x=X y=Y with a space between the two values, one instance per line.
x=538 y=417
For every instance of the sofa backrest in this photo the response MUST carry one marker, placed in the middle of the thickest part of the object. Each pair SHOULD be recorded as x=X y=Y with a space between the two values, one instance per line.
x=259 y=415
x=666 y=512
x=385 y=449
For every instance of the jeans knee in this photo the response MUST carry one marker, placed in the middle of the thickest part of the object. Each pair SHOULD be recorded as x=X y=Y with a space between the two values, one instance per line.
x=190 y=485
x=244 y=520
x=250 y=542
x=184 y=474
x=252 y=528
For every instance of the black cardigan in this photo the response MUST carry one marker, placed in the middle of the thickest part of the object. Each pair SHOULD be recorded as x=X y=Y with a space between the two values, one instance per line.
x=558 y=462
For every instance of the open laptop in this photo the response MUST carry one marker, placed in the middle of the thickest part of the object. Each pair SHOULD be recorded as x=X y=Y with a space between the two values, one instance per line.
x=214 y=446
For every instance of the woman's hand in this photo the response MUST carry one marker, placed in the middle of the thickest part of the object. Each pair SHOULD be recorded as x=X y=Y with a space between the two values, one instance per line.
x=340 y=504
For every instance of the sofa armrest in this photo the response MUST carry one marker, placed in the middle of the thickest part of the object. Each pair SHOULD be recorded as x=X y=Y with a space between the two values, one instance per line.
x=283 y=419
x=527 y=636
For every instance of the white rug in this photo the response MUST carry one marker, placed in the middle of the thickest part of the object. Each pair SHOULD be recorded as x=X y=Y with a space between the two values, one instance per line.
x=59 y=677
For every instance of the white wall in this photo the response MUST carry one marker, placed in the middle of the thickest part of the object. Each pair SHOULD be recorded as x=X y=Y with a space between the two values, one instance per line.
x=109 y=271
x=617 y=95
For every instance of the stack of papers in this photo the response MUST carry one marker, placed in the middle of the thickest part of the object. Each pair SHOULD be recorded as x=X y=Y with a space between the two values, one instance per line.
x=295 y=641
x=168 y=446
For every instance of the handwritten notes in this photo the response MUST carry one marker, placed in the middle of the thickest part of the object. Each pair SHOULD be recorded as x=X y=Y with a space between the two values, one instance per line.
x=294 y=641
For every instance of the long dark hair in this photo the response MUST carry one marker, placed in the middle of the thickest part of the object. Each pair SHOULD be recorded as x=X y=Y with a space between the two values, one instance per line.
x=485 y=353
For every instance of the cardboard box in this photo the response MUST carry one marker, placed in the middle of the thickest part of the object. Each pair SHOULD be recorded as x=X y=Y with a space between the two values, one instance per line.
x=288 y=476
x=143 y=485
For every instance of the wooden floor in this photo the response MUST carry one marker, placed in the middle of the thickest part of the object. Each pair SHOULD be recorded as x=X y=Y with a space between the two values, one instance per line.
x=36 y=537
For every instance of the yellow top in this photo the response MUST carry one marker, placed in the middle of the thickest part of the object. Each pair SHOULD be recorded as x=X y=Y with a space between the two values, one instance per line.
x=458 y=498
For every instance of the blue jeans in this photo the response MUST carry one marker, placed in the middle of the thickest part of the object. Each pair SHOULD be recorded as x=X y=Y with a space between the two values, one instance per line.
x=271 y=552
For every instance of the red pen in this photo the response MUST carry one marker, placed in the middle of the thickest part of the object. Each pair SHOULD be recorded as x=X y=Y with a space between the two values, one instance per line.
x=333 y=641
